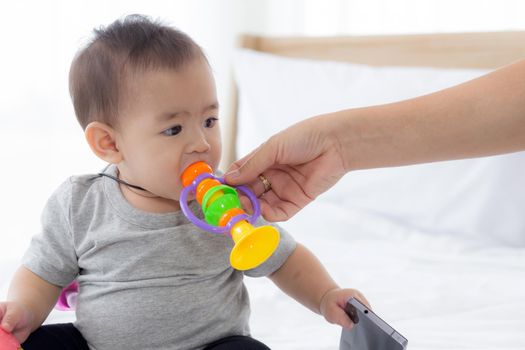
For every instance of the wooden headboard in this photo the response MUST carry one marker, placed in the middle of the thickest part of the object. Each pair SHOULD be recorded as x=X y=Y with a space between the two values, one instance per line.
x=453 y=50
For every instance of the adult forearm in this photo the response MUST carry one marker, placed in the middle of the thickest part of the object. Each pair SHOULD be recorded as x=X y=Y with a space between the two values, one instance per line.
x=35 y=294
x=304 y=278
x=482 y=117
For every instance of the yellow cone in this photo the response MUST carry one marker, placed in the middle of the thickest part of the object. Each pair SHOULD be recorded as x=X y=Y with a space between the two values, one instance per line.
x=253 y=246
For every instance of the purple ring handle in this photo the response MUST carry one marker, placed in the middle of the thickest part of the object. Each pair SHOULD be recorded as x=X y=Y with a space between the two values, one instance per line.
x=217 y=229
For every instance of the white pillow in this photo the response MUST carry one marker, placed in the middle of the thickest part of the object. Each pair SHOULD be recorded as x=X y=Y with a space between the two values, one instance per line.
x=481 y=198
x=275 y=91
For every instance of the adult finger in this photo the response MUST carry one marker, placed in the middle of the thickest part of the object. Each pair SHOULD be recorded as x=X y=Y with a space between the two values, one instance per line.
x=237 y=164
x=247 y=169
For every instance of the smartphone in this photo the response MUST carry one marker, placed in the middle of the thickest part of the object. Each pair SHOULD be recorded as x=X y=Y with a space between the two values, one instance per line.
x=370 y=332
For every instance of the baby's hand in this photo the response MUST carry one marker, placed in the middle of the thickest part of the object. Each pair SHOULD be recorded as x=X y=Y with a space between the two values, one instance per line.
x=333 y=306
x=16 y=319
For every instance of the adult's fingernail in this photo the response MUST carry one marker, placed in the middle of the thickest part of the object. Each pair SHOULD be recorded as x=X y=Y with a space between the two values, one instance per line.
x=233 y=173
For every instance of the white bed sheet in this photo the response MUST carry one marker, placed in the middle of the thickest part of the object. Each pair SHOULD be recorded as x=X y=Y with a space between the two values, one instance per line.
x=441 y=292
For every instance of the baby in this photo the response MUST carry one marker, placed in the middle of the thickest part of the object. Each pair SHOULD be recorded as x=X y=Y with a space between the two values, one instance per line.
x=149 y=279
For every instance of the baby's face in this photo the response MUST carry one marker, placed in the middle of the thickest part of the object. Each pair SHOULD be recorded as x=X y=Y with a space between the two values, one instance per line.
x=170 y=120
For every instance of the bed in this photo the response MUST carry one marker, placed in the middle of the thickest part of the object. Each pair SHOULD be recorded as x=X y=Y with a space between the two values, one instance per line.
x=438 y=249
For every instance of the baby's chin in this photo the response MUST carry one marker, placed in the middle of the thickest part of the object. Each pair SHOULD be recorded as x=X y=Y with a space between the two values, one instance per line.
x=190 y=197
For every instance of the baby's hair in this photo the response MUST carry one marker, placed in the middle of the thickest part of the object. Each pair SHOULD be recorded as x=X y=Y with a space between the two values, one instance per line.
x=97 y=78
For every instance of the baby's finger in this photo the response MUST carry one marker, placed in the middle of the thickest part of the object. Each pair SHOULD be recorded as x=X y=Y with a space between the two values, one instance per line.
x=8 y=320
x=339 y=316
x=2 y=311
x=362 y=299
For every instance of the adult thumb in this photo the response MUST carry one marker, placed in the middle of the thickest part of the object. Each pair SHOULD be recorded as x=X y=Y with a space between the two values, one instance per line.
x=252 y=165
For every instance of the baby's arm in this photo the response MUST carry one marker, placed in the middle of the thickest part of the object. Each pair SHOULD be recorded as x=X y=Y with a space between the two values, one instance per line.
x=29 y=301
x=305 y=279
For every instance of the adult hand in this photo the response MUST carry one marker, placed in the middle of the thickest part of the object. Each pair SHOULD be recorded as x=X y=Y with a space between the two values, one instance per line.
x=300 y=162
x=482 y=117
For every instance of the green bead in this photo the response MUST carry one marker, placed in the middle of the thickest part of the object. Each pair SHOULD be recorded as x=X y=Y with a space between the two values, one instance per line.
x=224 y=188
x=220 y=206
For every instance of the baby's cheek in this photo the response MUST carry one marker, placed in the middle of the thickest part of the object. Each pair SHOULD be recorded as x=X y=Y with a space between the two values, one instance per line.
x=178 y=191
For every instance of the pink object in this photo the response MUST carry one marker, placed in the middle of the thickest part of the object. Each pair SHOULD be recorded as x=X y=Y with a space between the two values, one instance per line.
x=8 y=341
x=67 y=301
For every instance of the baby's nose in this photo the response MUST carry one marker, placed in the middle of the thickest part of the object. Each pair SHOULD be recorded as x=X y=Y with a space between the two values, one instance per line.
x=199 y=143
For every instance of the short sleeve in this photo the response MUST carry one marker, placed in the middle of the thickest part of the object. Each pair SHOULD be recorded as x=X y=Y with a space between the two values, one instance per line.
x=285 y=248
x=51 y=253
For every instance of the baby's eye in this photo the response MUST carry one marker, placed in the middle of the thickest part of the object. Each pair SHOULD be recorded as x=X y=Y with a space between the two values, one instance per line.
x=210 y=122
x=173 y=130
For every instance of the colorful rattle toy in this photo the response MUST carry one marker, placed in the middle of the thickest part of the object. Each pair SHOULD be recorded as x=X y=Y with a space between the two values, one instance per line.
x=223 y=214
x=8 y=341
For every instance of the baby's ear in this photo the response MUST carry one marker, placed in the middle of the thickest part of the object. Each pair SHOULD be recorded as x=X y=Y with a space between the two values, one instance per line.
x=102 y=140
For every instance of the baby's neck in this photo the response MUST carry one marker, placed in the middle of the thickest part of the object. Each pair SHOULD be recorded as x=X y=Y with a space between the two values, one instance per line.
x=148 y=203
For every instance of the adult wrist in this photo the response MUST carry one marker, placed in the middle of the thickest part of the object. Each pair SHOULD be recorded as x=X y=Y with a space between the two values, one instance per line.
x=366 y=137
x=342 y=133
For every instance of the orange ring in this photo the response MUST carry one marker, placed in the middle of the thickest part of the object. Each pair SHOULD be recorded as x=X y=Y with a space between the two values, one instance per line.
x=226 y=217
x=203 y=187
x=193 y=171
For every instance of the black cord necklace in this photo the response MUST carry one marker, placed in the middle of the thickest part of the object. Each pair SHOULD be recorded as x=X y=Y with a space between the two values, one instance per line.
x=103 y=173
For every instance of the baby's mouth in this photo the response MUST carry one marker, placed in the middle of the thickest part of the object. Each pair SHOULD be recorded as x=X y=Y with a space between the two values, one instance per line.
x=181 y=172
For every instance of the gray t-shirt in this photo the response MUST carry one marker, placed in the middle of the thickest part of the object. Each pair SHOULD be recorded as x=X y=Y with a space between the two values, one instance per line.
x=147 y=281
